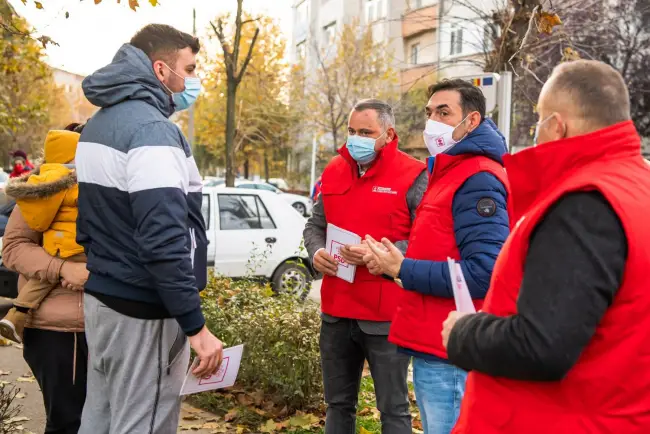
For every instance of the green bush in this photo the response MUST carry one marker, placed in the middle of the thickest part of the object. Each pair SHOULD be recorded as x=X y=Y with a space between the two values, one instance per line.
x=280 y=336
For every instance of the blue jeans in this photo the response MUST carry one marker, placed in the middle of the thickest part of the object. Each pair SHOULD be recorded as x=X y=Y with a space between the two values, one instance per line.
x=439 y=389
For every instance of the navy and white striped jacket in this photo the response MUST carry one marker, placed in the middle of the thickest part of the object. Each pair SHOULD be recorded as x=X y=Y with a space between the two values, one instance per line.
x=140 y=218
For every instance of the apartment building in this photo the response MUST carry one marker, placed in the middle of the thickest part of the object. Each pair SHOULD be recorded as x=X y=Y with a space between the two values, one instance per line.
x=427 y=39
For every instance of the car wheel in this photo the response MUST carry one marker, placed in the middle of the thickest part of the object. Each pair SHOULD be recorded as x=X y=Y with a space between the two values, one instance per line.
x=301 y=208
x=292 y=278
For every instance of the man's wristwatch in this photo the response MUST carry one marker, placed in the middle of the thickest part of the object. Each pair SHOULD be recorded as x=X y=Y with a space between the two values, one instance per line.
x=399 y=283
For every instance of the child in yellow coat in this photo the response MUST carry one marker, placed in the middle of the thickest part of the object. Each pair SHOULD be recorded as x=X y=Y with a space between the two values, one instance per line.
x=47 y=198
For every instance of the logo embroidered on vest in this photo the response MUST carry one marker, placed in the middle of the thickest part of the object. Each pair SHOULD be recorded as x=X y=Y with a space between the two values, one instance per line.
x=384 y=190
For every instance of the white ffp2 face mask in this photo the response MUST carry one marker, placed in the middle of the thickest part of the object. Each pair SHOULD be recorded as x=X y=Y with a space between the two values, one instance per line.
x=439 y=137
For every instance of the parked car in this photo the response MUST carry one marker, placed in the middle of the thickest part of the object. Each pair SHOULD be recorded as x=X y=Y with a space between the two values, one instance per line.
x=279 y=183
x=301 y=204
x=254 y=232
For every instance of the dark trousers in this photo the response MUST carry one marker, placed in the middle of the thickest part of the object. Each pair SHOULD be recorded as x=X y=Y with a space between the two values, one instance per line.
x=344 y=348
x=51 y=357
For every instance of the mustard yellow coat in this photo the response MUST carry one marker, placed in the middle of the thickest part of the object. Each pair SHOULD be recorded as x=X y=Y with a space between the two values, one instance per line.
x=47 y=198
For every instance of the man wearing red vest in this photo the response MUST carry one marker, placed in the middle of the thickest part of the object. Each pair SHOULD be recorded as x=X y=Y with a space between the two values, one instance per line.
x=562 y=343
x=464 y=216
x=370 y=188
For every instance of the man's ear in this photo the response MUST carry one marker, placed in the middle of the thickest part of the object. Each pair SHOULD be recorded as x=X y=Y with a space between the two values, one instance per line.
x=475 y=121
x=390 y=135
x=159 y=69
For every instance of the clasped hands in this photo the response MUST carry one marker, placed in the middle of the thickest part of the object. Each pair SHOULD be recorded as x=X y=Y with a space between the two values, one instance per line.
x=379 y=257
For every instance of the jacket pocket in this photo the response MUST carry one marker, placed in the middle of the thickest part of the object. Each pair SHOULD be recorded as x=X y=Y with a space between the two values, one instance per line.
x=199 y=257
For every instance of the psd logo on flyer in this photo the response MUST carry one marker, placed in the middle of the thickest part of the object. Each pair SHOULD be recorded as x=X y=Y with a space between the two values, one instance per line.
x=336 y=254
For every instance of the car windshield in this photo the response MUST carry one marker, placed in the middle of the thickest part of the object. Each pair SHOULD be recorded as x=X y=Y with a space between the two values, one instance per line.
x=214 y=183
x=268 y=187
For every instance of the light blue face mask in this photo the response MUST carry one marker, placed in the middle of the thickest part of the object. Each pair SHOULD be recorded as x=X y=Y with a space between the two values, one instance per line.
x=184 y=100
x=362 y=149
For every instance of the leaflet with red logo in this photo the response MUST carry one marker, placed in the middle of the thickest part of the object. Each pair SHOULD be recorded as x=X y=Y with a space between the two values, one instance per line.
x=225 y=376
x=462 y=296
x=337 y=238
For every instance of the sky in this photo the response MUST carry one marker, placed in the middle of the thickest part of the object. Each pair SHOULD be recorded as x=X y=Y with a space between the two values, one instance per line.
x=92 y=34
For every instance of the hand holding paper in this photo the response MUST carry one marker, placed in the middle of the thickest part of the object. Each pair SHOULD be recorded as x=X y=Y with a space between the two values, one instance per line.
x=224 y=377
x=462 y=296
x=337 y=239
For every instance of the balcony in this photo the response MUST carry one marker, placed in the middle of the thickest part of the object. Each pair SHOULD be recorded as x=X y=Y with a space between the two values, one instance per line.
x=418 y=76
x=419 y=21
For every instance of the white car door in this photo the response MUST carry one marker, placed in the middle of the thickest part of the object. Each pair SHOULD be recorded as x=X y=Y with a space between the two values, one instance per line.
x=209 y=211
x=245 y=236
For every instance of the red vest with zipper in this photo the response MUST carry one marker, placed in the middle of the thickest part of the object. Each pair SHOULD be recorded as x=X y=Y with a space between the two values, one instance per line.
x=374 y=204
x=418 y=321
x=608 y=389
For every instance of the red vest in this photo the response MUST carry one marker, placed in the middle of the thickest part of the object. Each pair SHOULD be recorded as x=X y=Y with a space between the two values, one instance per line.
x=608 y=390
x=418 y=321
x=375 y=205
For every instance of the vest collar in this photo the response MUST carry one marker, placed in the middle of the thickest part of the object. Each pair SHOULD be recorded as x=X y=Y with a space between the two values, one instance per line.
x=534 y=170
x=384 y=157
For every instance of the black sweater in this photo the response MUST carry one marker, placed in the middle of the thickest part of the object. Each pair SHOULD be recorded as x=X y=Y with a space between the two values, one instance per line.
x=574 y=266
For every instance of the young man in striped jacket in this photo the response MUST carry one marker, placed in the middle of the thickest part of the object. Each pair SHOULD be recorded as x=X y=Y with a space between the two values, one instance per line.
x=141 y=226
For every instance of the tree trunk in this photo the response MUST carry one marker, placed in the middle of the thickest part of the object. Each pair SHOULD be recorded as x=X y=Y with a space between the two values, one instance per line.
x=247 y=167
x=266 y=164
x=230 y=132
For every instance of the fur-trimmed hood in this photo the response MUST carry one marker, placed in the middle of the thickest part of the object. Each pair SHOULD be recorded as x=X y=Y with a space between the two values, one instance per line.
x=43 y=182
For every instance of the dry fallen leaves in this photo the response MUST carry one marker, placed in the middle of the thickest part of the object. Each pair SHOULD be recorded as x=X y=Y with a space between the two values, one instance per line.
x=548 y=20
x=304 y=421
x=569 y=54
x=3 y=373
x=26 y=380
x=38 y=5
x=231 y=415
x=17 y=419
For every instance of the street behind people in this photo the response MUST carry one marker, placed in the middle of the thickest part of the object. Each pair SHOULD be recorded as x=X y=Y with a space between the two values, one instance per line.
x=464 y=216
x=54 y=341
x=141 y=225
x=47 y=198
x=562 y=343
x=370 y=188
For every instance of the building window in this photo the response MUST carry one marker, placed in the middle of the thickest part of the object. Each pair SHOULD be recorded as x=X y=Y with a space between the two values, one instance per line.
x=329 y=34
x=490 y=34
x=301 y=51
x=456 y=46
x=415 y=54
x=302 y=12
x=375 y=10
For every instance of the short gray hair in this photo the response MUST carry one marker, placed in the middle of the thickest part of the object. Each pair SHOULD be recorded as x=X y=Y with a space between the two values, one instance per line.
x=384 y=111
x=597 y=91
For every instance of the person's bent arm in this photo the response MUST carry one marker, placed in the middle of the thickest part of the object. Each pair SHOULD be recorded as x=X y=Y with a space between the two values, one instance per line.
x=481 y=226
x=157 y=176
x=22 y=251
x=574 y=267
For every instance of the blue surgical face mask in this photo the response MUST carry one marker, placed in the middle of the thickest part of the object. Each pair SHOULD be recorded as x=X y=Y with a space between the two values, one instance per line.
x=184 y=100
x=362 y=149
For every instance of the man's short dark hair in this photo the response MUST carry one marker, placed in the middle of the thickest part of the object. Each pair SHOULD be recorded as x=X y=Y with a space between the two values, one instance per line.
x=471 y=97
x=384 y=111
x=162 y=42
x=595 y=89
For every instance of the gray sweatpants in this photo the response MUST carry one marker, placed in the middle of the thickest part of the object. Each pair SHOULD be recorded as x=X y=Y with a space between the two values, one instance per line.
x=135 y=373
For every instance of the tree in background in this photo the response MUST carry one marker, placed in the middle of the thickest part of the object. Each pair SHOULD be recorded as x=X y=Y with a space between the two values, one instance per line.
x=263 y=116
x=411 y=120
x=30 y=102
x=532 y=36
x=235 y=71
x=351 y=68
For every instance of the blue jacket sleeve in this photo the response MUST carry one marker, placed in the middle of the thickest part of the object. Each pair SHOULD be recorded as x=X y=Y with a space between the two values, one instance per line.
x=479 y=237
x=158 y=178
